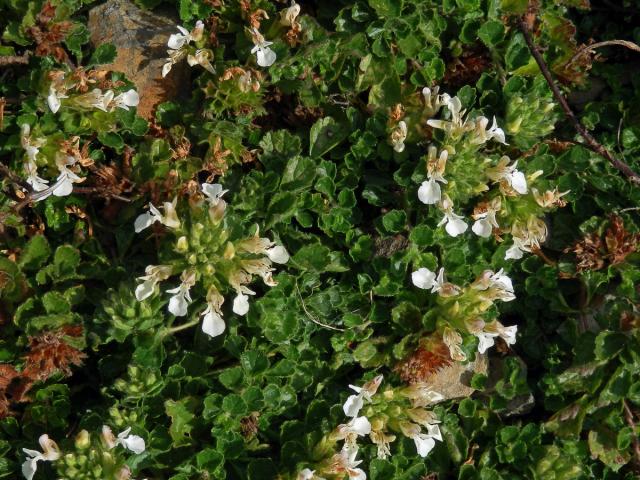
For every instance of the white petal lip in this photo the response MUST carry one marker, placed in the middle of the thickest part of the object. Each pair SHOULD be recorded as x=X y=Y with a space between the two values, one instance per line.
x=455 y=226
x=213 y=324
x=424 y=444
x=482 y=228
x=264 y=55
x=166 y=68
x=143 y=221
x=513 y=253
x=53 y=101
x=353 y=405
x=360 y=425
x=178 y=304
x=423 y=278
x=486 y=342
x=518 y=182
x=278 y=254
x=241 y=304
x=145 y=290
x=429 y=192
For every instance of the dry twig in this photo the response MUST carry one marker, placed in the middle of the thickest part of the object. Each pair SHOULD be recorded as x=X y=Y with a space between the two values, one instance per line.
x=590 y=142
x=628 y=415
x=7 y=60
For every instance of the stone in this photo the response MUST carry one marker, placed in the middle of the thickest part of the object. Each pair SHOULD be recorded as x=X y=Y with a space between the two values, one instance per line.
x=140 y=38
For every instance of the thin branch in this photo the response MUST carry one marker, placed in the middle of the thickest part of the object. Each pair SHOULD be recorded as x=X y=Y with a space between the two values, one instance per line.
x=590 y=48
x=13 y=178
x=628 y=415
x=590 y=142
x=312 y=318
x=7 y=60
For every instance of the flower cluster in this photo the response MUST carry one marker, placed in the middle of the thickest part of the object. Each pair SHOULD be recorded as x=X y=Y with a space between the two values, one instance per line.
x=70 y=91
x=180 y=47
x=95 y=461
x=457 y=170
x=208 y=255
x=463 y=309
x=67 y=162
x=395 y=410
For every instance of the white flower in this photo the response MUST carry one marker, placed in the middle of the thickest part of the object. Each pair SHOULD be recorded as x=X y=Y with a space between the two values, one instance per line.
x=134 y=443
x=508 y=176
x=433 y=102
x=241 y=304
x=179 y=302
x=482 y=135
x=429 y=192
x=213 y=323
x=50 y=453
x=424 y=441
x=514 y=252
x=496 y=133
x=357 y=427
x=306 y=474
x=288 y=15
x=423 y=278
x=127 y=99
x=264 y=55
x=354 y=403
x=486 y=341
x=203 y=58
x=382 y=441
x=421 y=394
x=178 y=43
x=178 y=40
x=457 y=125
x=169 y=219
x=94 y=99
x=486 y=220
x=345 y=462
x=38 y=184
x=398 y=136
x=154 y=275
x=213 y=192
x=495 y=286
x=57 y=91
x=66 y=179
x=454 y=225
x=485 y=224
x=31 y=146
x=492 y=330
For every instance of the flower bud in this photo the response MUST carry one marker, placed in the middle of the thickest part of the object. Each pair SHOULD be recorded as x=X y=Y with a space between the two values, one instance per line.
x=182 y=245
x=83 y=440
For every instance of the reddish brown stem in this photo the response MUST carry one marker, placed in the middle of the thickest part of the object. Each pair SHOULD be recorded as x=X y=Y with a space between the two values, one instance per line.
x=590 y=141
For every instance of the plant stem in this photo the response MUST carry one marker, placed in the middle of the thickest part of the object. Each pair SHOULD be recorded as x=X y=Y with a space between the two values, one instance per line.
x=179 y=328
x=591 y=142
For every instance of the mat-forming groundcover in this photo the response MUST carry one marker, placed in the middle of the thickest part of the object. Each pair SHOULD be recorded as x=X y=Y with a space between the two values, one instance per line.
x=350 y=239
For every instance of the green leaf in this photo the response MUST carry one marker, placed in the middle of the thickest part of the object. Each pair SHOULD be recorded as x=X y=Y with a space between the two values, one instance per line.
x=325 y=135
x=182 y=417
x=103 y=55
x=111 y=139
x=491 y=33
x=35 y=253
x=387 y=8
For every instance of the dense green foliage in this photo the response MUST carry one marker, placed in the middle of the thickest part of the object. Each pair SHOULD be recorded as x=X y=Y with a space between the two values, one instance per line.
x=370 y=145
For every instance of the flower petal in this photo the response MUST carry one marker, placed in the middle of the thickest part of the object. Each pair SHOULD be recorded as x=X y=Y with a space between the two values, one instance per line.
x=241 y=304
x=213 y=324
